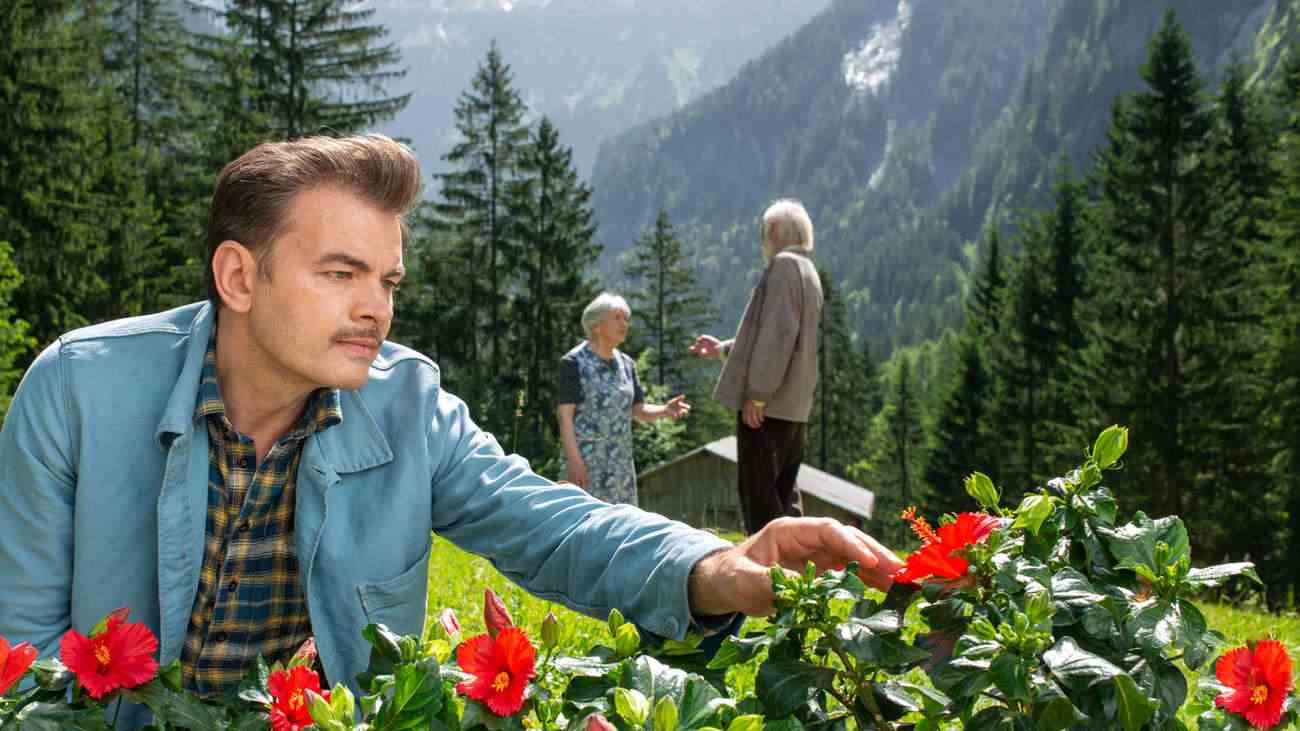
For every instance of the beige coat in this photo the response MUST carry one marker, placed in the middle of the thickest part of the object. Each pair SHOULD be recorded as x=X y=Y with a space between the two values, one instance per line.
x=774 y=355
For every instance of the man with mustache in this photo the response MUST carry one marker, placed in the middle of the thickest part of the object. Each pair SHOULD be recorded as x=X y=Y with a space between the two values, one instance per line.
x=246 y=472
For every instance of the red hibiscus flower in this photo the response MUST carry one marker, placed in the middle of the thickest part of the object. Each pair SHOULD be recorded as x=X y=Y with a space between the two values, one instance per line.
x=14 y=661
x=120 y=655
x=289 y=689
x=1259 y=676
x=937 y=556
x=501 y=666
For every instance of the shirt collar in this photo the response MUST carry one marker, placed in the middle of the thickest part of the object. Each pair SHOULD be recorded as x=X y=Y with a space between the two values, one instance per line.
x=324 y=408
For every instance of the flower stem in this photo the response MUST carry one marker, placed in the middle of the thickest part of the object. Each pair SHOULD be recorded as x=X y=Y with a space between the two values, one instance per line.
x=117 y=711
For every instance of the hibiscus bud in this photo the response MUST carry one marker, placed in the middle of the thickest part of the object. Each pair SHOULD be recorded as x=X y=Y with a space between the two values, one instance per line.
x=615 y=621
x=306 y=654
x=597 y=722
x=450 y=624
x=495 y=615
x=1110 y=446
x=980 y=487
x=320 y=709
x=665 y=715
x=550 y=630
x=632 y=705
x=627 y=640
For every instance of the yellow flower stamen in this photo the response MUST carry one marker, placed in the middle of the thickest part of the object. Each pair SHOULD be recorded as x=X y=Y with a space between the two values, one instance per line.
x=1259 y=695
x=920 y=526
x=102 y=656
x=296 y=701
x=501 y=682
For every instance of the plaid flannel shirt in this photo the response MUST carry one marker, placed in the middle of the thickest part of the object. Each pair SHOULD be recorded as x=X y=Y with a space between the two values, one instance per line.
x=250 y=601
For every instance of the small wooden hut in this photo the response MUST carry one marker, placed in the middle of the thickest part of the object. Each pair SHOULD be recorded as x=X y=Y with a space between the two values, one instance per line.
x=699 y=488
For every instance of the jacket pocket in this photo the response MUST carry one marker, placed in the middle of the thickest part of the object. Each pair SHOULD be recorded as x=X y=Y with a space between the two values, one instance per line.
x=399 y=602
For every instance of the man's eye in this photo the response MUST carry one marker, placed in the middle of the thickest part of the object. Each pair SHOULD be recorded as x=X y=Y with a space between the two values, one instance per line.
x=390 y=285
x=339 y=275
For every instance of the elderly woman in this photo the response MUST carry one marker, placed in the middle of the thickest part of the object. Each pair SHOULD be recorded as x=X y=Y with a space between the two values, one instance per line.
x=599 y=395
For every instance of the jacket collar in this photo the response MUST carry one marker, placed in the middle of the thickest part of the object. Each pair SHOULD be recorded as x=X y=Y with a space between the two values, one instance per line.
x=356 y=444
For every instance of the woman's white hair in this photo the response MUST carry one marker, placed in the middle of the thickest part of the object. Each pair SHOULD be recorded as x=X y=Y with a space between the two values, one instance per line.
x=785 y=223
x=601 y=306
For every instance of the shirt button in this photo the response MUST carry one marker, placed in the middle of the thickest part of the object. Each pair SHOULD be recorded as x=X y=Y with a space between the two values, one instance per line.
x=243 y=527
x=233 y=585
x=246 y=462
x=219 y=636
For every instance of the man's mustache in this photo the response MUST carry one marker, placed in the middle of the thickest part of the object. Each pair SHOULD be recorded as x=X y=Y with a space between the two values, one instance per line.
x=372 y=334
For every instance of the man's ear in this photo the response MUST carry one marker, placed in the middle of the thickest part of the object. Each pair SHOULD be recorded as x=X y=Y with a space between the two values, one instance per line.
x=233 y=270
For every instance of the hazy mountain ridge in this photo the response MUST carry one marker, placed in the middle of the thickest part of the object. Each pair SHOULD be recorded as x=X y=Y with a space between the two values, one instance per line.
x=596 y=67
x=966 y=119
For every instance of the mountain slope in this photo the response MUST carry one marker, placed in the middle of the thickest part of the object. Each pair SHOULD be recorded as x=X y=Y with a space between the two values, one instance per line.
x=971 y=107
x=596 y=67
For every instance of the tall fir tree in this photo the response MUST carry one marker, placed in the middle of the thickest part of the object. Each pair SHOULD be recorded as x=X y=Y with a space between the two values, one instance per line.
x=317 y=65
x=1158 y=322
x=668 y=308
x=985 y=307
x=154 y=65
x=1279 y=282
x=474 y=212
x=901 y=430
x=1064 y=282
x=1234 y=457
x=1022 y=359
x=842 y=405
x=48 y=168
x=15 y=343
x=552 y=219
x=960 y=441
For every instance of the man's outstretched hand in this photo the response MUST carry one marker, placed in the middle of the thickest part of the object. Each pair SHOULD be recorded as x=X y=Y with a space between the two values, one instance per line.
x=737 y=579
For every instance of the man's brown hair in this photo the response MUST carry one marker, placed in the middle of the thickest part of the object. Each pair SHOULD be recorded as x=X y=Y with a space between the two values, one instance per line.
x=254 y=191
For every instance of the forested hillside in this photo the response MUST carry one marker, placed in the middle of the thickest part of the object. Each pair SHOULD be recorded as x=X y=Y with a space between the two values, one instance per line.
x=906 y=128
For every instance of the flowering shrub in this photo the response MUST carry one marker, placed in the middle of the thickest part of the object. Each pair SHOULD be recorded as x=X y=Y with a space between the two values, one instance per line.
x=1050 y=615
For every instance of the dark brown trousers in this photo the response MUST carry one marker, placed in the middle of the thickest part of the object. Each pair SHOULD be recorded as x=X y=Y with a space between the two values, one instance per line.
x=768 y=460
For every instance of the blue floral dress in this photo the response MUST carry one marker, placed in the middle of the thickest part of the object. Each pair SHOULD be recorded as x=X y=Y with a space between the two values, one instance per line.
x=605 y=392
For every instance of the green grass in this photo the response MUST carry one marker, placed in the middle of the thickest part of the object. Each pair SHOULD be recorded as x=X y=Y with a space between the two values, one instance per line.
x=457 y=580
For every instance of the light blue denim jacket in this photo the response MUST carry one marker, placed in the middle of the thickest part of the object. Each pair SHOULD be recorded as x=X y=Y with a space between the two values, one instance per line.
x=103 y=496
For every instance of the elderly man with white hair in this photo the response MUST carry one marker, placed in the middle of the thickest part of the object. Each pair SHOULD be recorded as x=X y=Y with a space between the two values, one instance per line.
x=770 y=368
x=599 y=395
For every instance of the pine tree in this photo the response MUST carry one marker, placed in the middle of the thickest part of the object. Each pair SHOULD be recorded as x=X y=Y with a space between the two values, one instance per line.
x=904 y=432
x=1063 y=280
x=1022 y=359
x=317 y=65
x=667 y=306
x=1234 y=457
x=893 y=465
x=475 y=213
x=48 y=59
x=15 y=343
x=1279 y=281
x=1158 y=356
x=842 y=408
x=985 y=308
x=960 y=442
x=552 y=218
x=155 y=69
